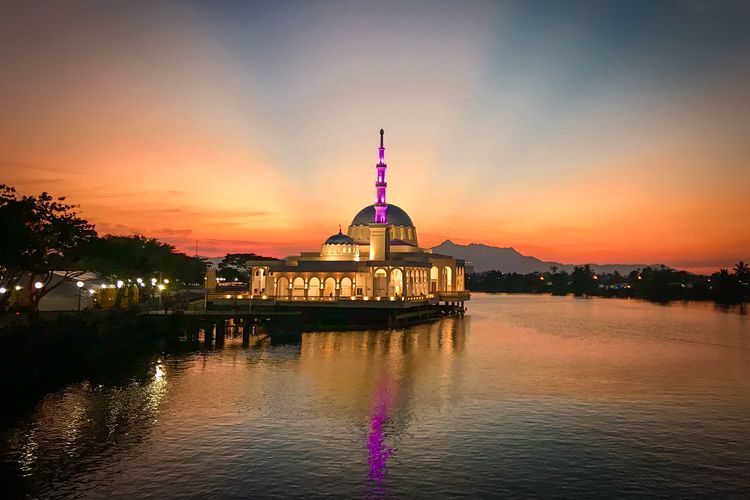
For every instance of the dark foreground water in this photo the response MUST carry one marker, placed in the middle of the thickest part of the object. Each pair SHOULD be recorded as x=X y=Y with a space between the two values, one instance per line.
x=527 y=396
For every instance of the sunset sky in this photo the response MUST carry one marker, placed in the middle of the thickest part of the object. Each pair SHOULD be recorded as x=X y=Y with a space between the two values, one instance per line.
x=607 y=132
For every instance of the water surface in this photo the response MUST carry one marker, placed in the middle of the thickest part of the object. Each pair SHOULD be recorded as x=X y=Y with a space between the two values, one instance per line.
x=525 y=396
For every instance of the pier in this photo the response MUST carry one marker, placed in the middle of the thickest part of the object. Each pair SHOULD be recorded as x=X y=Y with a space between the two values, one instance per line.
x=214 y=316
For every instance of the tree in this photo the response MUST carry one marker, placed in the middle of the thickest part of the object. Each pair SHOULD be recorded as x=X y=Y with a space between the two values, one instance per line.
x=127 y=258
x=239 y=262
x=741 y=270
x=583 y=280
x=41 y=235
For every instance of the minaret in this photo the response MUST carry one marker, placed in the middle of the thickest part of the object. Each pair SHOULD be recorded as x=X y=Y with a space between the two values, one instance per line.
x=380 y=185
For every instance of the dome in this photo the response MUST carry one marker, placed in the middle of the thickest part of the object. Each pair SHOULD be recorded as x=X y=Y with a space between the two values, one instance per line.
x=394 y=215
x=339 y=239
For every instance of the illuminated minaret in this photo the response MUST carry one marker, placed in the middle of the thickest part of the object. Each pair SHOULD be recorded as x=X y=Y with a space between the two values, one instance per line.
x=380 y=206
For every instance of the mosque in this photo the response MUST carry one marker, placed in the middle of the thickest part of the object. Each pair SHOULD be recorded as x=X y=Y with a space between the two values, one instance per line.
x=378 y=259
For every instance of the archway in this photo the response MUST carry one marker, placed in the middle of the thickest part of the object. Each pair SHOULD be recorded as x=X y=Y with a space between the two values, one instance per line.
x=447 y=279
x=298 y=289
x=380 y=283
x=313 y=287
x=346 y=287
x=396 y=283
x=282 y=287
x=329 y=288
x=434 y=278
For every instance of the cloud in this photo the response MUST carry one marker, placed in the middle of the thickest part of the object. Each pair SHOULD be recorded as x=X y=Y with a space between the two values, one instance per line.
x=20 y=165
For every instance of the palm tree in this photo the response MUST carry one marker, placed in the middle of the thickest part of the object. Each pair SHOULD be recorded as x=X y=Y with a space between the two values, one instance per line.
x=553 y=269
x=741 y=269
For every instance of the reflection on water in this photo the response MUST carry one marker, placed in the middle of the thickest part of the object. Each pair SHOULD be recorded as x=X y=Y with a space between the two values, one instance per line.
x=526 y=396
x=376 y=440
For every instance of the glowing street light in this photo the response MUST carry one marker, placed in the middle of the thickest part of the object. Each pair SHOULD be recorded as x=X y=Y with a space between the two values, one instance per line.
x=79 y=284
x=139 y=281
x=120 y=283
x=38 y=285
x=18 y=288
x=166 y=281
x=3 y=290
x=161 y=287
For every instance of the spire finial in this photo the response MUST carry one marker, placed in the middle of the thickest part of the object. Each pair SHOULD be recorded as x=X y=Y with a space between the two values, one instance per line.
x=381 y=137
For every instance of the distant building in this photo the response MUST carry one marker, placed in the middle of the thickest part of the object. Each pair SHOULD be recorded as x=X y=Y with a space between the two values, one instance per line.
x=378 y=257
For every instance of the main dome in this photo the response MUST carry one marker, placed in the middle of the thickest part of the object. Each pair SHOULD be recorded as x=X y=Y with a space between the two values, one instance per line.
x=394 y=215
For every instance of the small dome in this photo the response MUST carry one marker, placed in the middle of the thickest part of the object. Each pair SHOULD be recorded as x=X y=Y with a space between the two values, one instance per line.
x=339 y=239
x=394 y=215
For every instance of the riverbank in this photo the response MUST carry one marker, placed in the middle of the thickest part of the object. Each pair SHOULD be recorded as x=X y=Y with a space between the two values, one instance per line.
x=58 y=349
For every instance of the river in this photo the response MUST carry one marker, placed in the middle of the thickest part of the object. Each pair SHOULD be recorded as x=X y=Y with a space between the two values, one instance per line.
x=526 y=396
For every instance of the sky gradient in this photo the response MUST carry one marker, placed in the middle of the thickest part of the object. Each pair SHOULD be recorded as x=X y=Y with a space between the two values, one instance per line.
x=607 y=132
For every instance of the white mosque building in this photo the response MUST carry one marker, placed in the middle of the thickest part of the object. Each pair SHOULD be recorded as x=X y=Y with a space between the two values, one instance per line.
x=378 y=259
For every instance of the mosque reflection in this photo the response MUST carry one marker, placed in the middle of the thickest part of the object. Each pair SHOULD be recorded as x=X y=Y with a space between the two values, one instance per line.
x=381 y=374
x=367 y=381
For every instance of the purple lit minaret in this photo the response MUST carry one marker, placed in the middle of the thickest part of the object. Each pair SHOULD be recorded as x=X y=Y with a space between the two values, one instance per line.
x=380 y=206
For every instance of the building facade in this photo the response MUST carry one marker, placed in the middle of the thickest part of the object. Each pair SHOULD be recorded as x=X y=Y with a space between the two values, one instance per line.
x=379 y=258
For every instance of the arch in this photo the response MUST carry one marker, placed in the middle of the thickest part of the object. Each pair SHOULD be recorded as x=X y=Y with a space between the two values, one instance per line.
x=346 y=287
x=298 y=287
x=396 y=283
x=434 y=279
x=329 y=288
x=448 y=278
x=282 y=287
x=313 y=287
x=380 y=283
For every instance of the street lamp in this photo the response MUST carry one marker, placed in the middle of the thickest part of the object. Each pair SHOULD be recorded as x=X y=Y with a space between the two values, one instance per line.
x=38 y=285
x=166 y=281
x=3 y=290
x=79 y=284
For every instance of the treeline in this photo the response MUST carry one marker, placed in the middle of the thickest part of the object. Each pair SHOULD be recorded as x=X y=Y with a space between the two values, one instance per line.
x=45 y=243
x=656 y=284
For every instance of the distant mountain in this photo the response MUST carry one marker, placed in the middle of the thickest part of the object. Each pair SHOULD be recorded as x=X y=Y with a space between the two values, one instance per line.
x=509 y=260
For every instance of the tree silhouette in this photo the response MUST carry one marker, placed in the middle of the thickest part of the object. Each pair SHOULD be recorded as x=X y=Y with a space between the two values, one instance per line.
x=741 y=269
x=43 y=233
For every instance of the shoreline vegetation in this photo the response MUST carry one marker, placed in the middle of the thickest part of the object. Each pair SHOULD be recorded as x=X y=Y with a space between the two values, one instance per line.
x=660 y=285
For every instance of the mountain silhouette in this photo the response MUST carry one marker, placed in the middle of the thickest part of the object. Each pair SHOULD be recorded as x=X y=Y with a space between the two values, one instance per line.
x=509 y=260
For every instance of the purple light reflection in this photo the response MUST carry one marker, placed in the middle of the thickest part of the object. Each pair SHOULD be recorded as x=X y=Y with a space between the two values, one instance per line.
x=378 y=451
